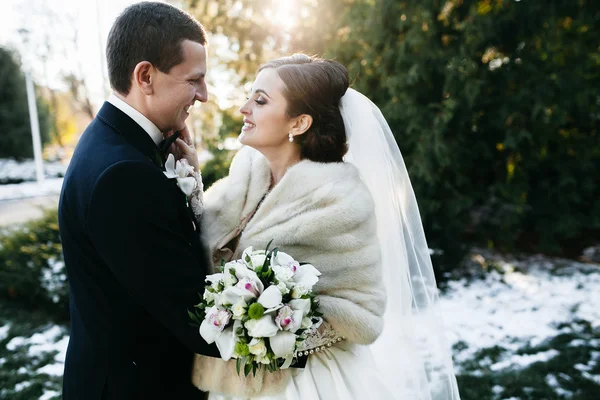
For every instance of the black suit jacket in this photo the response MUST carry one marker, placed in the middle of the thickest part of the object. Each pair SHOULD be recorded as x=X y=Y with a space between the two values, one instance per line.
x=135 y=264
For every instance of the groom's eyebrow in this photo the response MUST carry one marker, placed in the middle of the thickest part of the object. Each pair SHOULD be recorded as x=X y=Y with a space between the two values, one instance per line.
x=198 y=75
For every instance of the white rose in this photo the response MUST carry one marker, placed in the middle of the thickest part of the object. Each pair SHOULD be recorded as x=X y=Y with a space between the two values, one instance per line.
x=306 y=323
x=283 y=288
x=257 y=347
x=298 y=291
x=208 y=296
x=264 y=360
x=229 y=280
x=239 y=308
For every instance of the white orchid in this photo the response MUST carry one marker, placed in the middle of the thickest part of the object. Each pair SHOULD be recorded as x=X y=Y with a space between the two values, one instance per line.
x=301 y=305
x=214 y=323
x=282 y=259
x=181 y=171
x=248 y=302
x=284 y=273
x=261 y=328
x=307 y=276
x=283 y=344
x=288 y=319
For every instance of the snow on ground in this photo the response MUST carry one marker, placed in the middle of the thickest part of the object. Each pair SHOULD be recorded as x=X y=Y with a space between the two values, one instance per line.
x=15 y=171
x=52 y=339
x=4 y=331
x=18 y=179
x=23 y=190
x=521 y=306
x=49 y=395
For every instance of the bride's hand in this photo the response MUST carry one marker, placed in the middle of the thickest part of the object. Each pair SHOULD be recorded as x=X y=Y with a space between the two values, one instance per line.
x=183 y=147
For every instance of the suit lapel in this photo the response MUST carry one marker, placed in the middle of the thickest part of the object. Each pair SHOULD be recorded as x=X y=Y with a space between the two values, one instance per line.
x=139 y=138
x=131 y=131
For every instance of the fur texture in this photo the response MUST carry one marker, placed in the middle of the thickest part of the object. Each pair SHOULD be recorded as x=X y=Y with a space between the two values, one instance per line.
x=318 y=213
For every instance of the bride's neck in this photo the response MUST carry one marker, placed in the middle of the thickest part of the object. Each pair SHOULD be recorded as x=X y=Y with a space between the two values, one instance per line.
x=279 y=164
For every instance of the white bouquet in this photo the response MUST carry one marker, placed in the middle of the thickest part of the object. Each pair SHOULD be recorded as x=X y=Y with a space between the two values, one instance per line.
x=258 y=309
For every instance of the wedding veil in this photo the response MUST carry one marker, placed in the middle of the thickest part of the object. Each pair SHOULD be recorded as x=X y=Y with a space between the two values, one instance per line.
x=412 y=353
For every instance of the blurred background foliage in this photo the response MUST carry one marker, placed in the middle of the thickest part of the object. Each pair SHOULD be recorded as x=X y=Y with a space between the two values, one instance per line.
x=31 y=267
x=15 y=130
x=494 y=103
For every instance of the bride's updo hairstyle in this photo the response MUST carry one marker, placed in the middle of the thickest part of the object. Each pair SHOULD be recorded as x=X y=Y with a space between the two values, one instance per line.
x=315 y=86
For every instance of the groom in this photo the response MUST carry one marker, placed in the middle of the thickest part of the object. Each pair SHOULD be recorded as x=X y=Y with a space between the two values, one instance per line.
x=132 y=251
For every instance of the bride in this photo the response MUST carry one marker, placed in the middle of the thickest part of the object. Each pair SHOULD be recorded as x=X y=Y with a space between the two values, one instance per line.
x=322 y=175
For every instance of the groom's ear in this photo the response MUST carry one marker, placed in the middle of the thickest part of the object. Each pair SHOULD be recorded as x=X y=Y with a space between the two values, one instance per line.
x=143 y=75
x=301 y=124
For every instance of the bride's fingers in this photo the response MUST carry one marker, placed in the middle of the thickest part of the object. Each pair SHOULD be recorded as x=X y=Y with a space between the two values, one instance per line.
x=184 y=147
x=186 y=136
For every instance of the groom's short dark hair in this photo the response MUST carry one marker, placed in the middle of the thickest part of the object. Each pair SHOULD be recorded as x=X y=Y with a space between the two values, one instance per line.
x=148 y=31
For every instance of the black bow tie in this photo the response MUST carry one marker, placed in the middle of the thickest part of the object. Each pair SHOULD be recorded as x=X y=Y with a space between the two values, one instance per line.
x=166 y=143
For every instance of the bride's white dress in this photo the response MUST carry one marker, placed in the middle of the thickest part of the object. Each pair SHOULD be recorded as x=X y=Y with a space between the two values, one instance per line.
x=345 y=371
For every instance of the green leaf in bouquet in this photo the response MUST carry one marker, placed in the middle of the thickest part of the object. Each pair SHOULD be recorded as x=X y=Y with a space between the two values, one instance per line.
x=193 y=317
x=200 y=306
x=232 y=272
x=268 y=245
x=247 y=369
x=238 y=365
x=317 y=314
x=254 y=369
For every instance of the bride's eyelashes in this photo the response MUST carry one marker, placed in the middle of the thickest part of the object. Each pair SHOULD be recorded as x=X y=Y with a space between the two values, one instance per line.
x=258 y=100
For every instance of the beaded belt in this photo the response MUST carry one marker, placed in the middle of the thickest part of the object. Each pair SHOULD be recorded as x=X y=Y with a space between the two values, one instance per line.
x=319 y=348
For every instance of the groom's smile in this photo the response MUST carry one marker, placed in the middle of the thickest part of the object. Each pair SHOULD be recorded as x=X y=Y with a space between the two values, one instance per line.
x=179 y=89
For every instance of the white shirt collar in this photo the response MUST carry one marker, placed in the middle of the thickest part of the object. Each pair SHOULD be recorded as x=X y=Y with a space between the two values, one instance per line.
x=147 y=125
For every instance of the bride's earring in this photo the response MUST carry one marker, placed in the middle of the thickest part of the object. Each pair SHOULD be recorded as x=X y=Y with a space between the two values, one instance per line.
x=291 y=137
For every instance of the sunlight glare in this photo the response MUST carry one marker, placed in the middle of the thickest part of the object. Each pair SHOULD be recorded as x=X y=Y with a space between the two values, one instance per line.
x=283 y=14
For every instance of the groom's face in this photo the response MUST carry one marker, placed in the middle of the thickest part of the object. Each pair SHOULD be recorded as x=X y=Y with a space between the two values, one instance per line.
x=174 y=93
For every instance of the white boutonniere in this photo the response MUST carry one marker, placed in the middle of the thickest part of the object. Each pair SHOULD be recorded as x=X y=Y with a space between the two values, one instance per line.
x=182 y=171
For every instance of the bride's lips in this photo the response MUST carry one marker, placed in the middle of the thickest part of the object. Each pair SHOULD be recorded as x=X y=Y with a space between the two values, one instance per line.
x=247 y=125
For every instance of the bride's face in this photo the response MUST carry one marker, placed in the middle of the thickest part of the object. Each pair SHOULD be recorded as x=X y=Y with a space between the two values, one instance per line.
x=266 y=124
